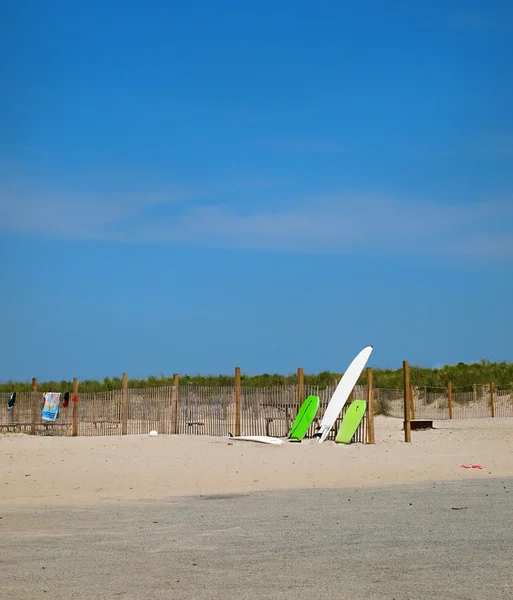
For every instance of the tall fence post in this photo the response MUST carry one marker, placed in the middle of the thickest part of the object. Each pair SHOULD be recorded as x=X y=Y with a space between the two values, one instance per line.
x=34 y=407
x=300 y=387
x=406 y=381
x=370 y=408
x=237 y=400
x=412 y=403
x=74 y=413
x=492 y=400
x=124 y=402
x=449 y=392
x=175 y=422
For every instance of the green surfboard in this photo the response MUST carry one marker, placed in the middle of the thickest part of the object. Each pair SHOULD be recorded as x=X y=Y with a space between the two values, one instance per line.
x=304 y=418
x=351 y=421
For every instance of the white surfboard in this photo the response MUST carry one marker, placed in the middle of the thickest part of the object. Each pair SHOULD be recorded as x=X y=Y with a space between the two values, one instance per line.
x=342 y=393
x=262 y=439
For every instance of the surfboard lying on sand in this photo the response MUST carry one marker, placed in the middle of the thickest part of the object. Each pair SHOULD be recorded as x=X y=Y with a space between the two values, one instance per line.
x=351 y=421
x=304 y=418
x=342 y=393
x=262 y=439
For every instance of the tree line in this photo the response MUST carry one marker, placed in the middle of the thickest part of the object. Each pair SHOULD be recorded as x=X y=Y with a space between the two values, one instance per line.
x=461 y=375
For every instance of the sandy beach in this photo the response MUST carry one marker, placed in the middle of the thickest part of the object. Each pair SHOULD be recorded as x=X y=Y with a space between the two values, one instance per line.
x=61 y=470
x=189 y=516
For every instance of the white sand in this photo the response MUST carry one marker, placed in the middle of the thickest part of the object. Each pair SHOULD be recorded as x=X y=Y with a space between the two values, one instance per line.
x=60 y=470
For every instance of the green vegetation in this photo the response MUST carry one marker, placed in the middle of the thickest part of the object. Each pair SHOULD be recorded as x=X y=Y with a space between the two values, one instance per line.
x=461 y=376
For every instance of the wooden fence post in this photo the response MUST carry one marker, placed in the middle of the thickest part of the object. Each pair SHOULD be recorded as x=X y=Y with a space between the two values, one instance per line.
x=449 y=392
x=34 y=407
x=492 y=400
x=237 y=400
x=175 y=421
x=74 y=414
x=300 y=387
x=412 y=403
x=406 y=381
x=370 y=408
x=124 y=401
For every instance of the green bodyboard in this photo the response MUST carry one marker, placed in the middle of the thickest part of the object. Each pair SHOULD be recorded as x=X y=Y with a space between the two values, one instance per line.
x=351 y=421
x=304 y=418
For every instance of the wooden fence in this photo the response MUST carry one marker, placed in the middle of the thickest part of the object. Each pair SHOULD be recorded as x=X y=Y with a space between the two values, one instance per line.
x=436 y=403
x=237 y=409
x=188 y=409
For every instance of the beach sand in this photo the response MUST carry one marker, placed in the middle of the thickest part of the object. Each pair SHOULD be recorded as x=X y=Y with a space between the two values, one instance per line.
x=206 y=518
x=63 y=470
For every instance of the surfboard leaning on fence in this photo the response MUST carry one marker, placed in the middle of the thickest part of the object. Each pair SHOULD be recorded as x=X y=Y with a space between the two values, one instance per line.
x=342 y=393
x=351 y=421
x=304 y=418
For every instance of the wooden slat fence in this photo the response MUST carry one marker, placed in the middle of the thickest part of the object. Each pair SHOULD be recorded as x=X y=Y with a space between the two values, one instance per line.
x=433 y=402
x=201 y=411
x=211 y=410
x=99 y=413
x=26 y=416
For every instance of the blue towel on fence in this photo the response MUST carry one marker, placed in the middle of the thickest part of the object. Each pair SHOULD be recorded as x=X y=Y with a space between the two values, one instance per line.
x=51 y=406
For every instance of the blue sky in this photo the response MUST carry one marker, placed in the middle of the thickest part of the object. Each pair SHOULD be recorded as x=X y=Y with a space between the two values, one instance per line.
x=187 y=187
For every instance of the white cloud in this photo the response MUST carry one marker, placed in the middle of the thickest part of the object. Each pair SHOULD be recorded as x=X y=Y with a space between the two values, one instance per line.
x=80 y=215
x=348 y=224
x=88 y=215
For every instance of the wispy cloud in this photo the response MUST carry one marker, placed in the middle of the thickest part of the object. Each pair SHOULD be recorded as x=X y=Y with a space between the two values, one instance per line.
x=351 y=226
x=80 y=214
x=347 y=224
x=88 y=215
